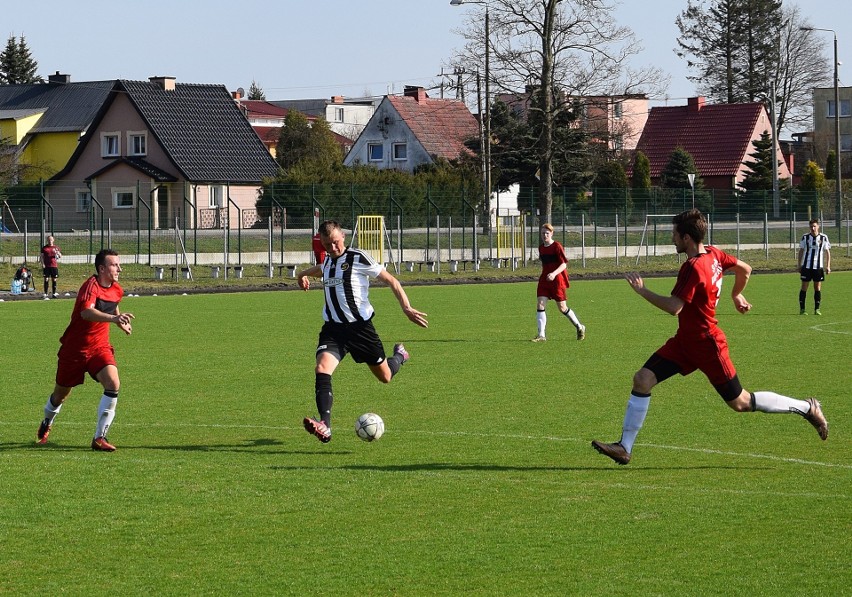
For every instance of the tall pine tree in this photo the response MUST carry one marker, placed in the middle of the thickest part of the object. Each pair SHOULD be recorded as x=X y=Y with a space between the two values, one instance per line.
x=17 y=65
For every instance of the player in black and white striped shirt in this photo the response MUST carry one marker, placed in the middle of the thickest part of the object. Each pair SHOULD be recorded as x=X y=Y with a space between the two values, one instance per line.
x=348 y=314
x=814 y=264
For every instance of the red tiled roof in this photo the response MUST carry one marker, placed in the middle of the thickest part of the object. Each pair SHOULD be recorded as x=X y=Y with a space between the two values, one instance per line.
x=718 y=136
x=441 y=125
x=263 y=108
x=269 y=134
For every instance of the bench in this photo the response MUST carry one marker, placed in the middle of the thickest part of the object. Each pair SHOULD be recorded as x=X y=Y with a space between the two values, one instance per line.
x=498 y=262
x=184 y=272
x=430 y=264
x=454 y=264
x=291 y=270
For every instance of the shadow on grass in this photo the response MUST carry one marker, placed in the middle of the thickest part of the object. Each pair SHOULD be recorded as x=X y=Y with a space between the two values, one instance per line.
x=444 y=466
x=245 y=447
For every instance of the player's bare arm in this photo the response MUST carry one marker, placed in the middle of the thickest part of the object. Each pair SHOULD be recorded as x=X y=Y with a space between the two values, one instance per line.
x=670 y=304
x=742 y=272
x=122 y=320
x=311 y=272
x=413 y=314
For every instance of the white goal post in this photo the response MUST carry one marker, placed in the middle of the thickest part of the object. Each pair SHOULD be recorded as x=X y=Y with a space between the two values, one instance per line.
x=644 y=242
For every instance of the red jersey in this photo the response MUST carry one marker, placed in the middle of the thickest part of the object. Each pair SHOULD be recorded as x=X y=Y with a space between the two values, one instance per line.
x=699 y=285
x=81 y=335
x=552 y=257
x=49 y=254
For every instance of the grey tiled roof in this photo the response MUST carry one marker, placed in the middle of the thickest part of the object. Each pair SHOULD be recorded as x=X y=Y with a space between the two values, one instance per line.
x=144 y=166
x=68 y=106
x=203 y=131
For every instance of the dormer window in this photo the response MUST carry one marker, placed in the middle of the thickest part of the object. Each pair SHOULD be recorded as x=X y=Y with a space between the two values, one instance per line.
x=110 y=145
x=137 y=143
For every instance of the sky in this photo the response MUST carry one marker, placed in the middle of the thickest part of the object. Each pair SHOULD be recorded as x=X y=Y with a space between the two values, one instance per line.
x=296 y=49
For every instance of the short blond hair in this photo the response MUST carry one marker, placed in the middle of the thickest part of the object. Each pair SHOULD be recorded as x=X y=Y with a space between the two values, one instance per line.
x=547 y=227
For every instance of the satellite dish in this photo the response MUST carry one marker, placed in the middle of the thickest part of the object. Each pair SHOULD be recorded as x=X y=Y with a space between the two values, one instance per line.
x=241 y=91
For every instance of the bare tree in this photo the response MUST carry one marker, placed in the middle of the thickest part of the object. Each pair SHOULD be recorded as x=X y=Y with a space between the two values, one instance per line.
x=562 y=50
x=802 y=67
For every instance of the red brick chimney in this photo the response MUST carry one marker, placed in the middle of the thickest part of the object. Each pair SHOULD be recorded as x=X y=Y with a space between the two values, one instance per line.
x=336 y=99
x=696 y=103
x=417 y=93
x=164 y=83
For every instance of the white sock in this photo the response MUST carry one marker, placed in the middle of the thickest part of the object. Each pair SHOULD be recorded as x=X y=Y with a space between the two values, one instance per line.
x=634 y=417
x=106 y=413
x=770 y=402
x=541 y=317
x=573 y=317
x=51 y=411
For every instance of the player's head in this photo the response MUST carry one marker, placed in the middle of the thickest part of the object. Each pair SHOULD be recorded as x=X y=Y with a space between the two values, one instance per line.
x=332 y=238
x=50 y=239
x=814 y=225
x=691 y=223
x=546 y=232
x=101 y=261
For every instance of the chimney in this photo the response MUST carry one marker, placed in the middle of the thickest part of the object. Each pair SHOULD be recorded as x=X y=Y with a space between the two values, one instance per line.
x=58 y=78
x=417 y=93
x=237 y=95
x=336 y=99
x=164 y=83
x=696 y=103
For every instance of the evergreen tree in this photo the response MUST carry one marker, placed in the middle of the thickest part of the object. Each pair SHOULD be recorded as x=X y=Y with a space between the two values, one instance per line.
x=611 y=175
x=733 y=46
x=674 y=175
x=813 y=180
x=831 y=165
x=17 y=65
x=312 y=146
x=759 y=177
x=641 y=177
x=256 y=92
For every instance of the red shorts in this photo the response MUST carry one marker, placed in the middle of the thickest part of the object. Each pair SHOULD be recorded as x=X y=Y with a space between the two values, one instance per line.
x=71 y=370
x=708 y=353
x=555 y=290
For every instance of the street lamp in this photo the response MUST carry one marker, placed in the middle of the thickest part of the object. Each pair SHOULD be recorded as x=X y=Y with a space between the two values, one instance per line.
x=838 y=178
x=487 y=145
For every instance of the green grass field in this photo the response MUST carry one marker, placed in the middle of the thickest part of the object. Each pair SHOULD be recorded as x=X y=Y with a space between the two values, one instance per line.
x=484 y=483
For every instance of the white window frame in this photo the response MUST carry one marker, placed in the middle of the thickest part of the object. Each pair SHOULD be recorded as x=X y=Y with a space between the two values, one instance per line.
x=397 y=149
x=618 y=110
x=132 y=138
x=117 y=191
x=110 y=144
x=381 y=150
x=339 y=114
x=83 y=200
x=216 y=196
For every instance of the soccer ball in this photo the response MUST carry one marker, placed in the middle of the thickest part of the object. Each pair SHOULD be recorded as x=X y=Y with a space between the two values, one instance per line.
x=369 y=427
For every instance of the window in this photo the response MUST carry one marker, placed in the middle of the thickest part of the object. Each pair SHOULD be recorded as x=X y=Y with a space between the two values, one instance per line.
x=137 y=143
x=84 y=200
x=845 y=143
x=338 y=115
x=123 y=198
x=618 y=109
x=618 y=142
x=217 y=196
x=375 y=152
x=845 y=108
x=400 y=151
x=109 y=145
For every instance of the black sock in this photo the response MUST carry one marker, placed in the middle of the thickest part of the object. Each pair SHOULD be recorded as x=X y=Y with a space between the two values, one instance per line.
x=46 y=285
x=802 y=296
x=817 y=298
x=324 y=397
x=395 y=362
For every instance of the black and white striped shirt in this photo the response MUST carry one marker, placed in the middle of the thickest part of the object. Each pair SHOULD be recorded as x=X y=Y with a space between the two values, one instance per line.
x=346 y=284
x=814 y=248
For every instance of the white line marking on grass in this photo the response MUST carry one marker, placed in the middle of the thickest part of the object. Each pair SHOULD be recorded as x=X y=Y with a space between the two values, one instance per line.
x=821 y=328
